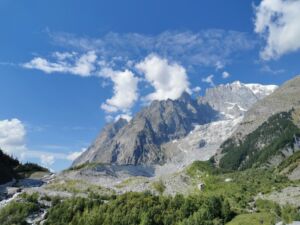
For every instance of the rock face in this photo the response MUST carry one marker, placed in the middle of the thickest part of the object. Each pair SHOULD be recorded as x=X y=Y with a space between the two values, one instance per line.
x=233 y=100
x=143 y=140
x=139 y=141
x=282 y=99
x=269 y=132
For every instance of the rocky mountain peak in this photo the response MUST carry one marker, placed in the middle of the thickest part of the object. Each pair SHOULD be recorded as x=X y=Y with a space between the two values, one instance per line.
x=140 y=140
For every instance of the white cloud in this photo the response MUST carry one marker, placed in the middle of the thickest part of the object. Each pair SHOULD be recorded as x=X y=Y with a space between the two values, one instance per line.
x=127 y=117
x=196 y=89
x=83 y=65
x=214 y=47
x=47 y=160
x=225 y=75
x=168 y=79
x=219 y=65
x=268 y=69
x=278 y=22
x=12 y=136
x=125 y=90
x=74 y=155
x=209 y=80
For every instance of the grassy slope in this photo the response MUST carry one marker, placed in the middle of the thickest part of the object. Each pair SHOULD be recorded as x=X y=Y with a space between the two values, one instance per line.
x=253 y=219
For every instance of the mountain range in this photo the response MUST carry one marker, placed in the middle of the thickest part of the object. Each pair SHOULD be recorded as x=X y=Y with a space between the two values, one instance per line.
x=177 y=132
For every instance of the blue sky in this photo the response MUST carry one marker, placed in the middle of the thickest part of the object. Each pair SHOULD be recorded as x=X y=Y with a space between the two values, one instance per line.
x=68 y=67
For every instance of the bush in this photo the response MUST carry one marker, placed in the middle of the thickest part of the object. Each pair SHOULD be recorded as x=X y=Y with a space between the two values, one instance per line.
x=141 y=208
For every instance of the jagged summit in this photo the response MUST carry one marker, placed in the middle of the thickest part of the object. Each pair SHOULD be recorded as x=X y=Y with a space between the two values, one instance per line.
x=139 y=141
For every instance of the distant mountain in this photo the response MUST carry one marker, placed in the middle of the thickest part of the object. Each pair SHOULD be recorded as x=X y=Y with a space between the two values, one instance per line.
x=146 y=139
x=235 y=99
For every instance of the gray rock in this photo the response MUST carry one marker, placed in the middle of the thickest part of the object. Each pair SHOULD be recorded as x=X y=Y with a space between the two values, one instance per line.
x=139 y=141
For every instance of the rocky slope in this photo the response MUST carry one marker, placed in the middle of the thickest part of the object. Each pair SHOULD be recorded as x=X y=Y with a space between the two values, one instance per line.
x=233 y=100
x=269 y=132
x=138 y=142
x=164 y=130
x=283 y=99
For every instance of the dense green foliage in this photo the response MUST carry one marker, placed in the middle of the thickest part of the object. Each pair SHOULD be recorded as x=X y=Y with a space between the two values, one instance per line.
x=29 y=168
x=142 y=208
x=244 y=186
x=259 y=146
x=11 y=168
x=7 y=165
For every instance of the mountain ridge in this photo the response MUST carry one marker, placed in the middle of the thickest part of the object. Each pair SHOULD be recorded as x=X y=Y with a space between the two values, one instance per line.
x=139 y=141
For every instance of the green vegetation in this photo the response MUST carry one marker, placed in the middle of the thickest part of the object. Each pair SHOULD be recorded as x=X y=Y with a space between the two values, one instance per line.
x=7 y=165
x=253 y=219
x=77 y=186
x=11 y=168
x=15 y=213
x=261 y=145
x=142 y=208
x=159 y=186
x=199 y=168
x=84 y=166
x=290 y=163
x=238 y=187
x=27 y=169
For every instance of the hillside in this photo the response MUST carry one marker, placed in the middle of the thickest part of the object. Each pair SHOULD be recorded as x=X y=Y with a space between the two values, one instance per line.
x=272 y=142
x=12 y=169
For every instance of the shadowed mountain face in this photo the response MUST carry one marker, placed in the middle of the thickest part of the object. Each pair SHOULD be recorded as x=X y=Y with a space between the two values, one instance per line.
x=140 y=141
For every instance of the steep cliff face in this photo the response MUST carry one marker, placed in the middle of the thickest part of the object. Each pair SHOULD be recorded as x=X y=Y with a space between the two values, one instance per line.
x=139 y=141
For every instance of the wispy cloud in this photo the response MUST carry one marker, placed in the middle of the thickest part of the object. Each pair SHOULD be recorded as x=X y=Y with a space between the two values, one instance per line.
x=206 y=48
x=65 y=62
x=163 y=61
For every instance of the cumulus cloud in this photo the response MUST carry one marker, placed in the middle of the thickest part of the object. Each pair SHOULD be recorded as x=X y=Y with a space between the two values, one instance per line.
x=83 y=65
x=278 y=22
x=225 y=75
x=12 y=136
x=12 y=141
x=125 y=86
x=168 y=79
x=209 y=80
